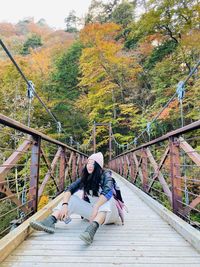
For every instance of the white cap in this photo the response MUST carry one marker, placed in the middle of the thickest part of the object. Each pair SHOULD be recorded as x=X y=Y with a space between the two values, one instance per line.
x=98 y=157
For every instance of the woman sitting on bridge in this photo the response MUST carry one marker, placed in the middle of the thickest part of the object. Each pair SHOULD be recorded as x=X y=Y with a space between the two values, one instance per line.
x=97 y=205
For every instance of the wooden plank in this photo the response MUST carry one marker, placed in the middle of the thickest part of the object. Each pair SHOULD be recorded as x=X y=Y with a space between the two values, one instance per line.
x=189 y=233
x=147 y=250
x=101 y=253
x=109 y=259
x=133 y=243
x=96 y=264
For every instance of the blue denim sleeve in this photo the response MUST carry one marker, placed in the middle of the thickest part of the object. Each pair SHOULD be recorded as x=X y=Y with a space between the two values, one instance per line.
x=74 y=187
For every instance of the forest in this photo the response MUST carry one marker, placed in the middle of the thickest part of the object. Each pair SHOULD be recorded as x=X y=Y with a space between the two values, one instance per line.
x=122 y=67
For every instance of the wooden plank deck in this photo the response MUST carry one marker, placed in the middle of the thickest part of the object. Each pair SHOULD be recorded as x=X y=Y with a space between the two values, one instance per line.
x=145 y=240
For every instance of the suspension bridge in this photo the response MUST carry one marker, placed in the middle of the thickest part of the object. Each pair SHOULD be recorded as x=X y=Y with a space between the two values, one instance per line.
x=159 y=180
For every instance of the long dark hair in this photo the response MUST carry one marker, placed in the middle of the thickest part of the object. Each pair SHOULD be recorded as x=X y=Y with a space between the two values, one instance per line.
x=91 y=181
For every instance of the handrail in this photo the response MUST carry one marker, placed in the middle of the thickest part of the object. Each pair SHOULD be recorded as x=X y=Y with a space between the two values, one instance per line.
x=190 y=127
x=19 y=126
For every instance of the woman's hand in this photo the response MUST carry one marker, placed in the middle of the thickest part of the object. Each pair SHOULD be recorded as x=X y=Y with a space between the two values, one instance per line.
x=94 y=213
x=64 y=212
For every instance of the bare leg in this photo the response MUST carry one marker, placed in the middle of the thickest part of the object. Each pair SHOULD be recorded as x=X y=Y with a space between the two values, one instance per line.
x=57 y=214
x=100 y=218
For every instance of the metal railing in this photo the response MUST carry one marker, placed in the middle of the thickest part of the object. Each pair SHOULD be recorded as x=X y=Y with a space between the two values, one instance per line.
x=168 y=169
x=34 y=168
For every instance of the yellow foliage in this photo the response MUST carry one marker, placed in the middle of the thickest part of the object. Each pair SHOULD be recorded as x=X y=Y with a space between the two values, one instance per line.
x=43 y=201
x=107 y=71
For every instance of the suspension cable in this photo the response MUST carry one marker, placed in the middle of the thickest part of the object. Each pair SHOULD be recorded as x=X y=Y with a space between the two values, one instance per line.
x=26 y=80
x=180 y=92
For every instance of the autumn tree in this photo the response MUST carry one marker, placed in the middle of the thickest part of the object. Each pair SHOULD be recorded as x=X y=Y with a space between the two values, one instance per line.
x=32 y=42
x=100 y=11
x=123 y=14
x=108 y=75
x=71 y=22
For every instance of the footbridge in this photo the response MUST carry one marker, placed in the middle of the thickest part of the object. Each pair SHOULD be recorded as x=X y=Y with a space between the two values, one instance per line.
x=162 y=223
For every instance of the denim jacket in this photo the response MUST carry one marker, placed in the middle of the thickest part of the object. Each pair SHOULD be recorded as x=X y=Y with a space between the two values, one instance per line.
x=106 y=185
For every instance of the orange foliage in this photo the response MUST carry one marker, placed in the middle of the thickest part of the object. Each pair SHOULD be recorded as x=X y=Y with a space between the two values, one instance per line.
x=37 y=29
x=58 y=40
x=7 y=29
x=166 y=112
x=148 y=44
x=96 y=33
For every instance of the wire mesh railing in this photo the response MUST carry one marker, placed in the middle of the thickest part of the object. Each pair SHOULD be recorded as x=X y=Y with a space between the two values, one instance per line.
x=168 y=169
x=34 y=169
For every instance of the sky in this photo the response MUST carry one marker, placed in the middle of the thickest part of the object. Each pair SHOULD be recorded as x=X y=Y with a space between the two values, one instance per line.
x=53 y=11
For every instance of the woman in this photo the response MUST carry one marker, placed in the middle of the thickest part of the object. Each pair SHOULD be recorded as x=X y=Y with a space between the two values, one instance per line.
x=98 y=204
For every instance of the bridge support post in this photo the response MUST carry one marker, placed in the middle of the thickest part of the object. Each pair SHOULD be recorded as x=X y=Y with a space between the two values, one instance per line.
x=62 y=170
x=94 y=137
x=34 y=173
x=175 y=174
x=125 y=167
x=131 y=166
x=110 y=141
x=144 y=169
x=74 y=167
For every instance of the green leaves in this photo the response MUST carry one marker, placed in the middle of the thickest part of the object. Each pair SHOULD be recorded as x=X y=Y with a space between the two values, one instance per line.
x=32 y=42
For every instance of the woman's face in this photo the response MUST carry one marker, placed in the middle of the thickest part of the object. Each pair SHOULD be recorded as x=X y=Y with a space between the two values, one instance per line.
x=90 y=166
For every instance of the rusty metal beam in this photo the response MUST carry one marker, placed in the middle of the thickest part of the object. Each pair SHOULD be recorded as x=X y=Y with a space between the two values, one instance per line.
x=192 y=205
x=68 y=166
x=158 y=173
x=74 y=167
x=34 y=173
x=144 y=169
x=138 y=169
x=175 y=173
x=190 y=151
x=4 y=189
x=14 y=158
x=49 y=168
x=50 y=173
x=62 y=170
